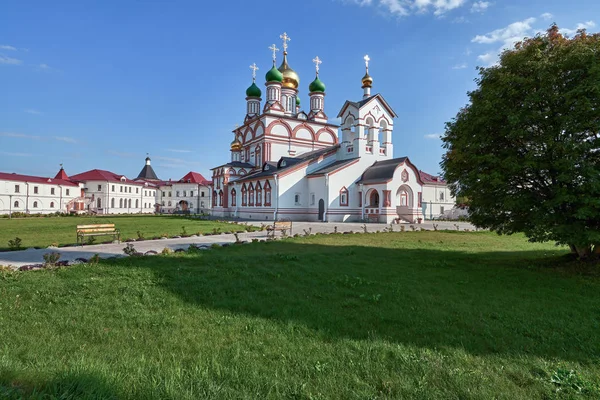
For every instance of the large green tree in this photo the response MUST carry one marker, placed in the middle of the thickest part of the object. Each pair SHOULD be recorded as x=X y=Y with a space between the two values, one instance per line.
x=526 y=149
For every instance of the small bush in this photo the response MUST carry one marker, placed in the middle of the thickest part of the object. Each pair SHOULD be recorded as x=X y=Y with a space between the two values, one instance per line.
x=216 y=231
x=95 y=259
x=50 y=259
x=193 y=249
x=129 y=250
x=91 y=240
x=140 y=235
x=15 y=244
x=183 y=231
x=166 y=251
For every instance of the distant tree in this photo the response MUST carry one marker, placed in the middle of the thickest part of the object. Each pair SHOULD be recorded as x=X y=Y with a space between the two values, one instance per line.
x=526 y=150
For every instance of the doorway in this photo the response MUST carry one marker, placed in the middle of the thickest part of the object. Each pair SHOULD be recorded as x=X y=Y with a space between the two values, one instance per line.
x=321 y=209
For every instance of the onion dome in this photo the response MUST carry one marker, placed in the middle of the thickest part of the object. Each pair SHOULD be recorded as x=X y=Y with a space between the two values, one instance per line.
x=367 y=81
x=290 y=77
x=253 y=91
x=297 y=101
x=273 y=75
x=236 y=145
x=316 y=86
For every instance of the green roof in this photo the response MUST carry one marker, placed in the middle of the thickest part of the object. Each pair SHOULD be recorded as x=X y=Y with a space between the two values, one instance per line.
x=316 y=86
x=274 y=75
x=253 y=91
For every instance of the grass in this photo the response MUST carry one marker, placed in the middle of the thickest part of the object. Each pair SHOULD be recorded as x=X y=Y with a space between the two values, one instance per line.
x=449 y=315
x=42 y=232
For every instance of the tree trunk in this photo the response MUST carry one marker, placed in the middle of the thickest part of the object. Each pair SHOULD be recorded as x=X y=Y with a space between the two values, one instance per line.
x=584 y=252
x=573 y=249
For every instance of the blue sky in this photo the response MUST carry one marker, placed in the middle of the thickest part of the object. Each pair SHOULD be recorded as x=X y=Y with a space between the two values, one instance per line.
x=100 y=84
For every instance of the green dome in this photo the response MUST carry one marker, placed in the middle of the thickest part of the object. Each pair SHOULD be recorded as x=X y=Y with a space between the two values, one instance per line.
x=274 y=75
x=253 y=91
x=297 y=100
x=316 y=86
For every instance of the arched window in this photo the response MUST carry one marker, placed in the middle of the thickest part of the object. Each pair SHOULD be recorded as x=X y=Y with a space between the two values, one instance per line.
x=244 y=195
x=16 y=204
x=220 y=198
x=98 y=203
x=112 y=202
x=374 y=199
x=120 y=203
x=214 y=199
x=258 y=194
x=137 y=204
x=403 y=198
x=52 y=204
x=251 y=195
x=35 y=204
x=129 y=203
x=267 y=194
x=344 y=197
x=233 y=200
x=258 y=156
x=170 y=204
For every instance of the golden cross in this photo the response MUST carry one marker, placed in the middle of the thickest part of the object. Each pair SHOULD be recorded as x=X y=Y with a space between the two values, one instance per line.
x=285 y=39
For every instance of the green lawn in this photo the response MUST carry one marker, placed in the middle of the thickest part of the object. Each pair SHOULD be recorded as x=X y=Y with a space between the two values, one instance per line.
x=427 y=315
x=42 y=232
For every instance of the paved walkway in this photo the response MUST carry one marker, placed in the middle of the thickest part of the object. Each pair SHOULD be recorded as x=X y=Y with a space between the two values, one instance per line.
x=35 y=256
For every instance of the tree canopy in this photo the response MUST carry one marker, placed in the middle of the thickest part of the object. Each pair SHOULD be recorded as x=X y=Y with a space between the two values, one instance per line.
x=526 y=149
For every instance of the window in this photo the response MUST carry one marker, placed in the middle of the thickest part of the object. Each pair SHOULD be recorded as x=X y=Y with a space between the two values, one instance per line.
x=17 y=189
x=120 y=203
x=51 y=190
x=162 y=203
x=121 y=189
x=312 y=199
x=251 y=195
x=267 y=194
x=98 y=203
x=191 y=193
x=129 y=203
x=35 y=204
x=16 y=204
x=169 y=194
x=137 y=190
x=184 y=193
x=129 y=189
x=202 y=194
x=220 y=198
x=52 y=203
x=35 y=190
x=360 y=199
x=404 y=198
x=419 y=199
x=177 y=193
x=344 y=197
x=258 y=194
x=170 y=204
x=163 y=194
x=233 y=201
x=297 y=199
x=112 y=202
x=441 y=210
x=442 y=196
x=112 y=189
x=137 y=203
x=244 y=195
x=214 y=199
x=67 y=191
x=99 y=188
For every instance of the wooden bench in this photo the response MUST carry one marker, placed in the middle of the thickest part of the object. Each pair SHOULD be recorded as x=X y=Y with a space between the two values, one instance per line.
x=279 y=226
x=84 y=231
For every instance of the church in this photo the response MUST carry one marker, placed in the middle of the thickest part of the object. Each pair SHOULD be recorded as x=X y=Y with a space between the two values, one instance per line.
x=292 y=163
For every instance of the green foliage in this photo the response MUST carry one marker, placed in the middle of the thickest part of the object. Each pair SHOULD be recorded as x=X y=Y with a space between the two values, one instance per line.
x=15 y=244
x=50 y=259
x=95 y=259
x=91 y=240
x=140 y=235
x=524 y=151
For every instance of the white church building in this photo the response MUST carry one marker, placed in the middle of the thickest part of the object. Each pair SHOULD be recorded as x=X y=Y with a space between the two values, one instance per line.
x=289 y=163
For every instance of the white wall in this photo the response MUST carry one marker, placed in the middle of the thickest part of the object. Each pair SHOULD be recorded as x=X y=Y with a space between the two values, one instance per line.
x=43 y=199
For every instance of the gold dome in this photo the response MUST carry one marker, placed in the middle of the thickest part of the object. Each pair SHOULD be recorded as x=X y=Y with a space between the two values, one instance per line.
x=236 y=145
x=290 y=77
x=367 y=81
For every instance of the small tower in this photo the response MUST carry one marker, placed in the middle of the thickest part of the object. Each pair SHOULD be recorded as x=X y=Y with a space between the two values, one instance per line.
x=367 y=81
x=236 y=149
x=316 y=91
x=297 y=105
x=147 y=173
x=290 y=81
x=273 y=80
x=62 y=174
x=253 y=94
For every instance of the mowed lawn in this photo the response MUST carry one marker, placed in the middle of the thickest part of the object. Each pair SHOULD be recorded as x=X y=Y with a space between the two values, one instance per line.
x=427 y=315
x=42 y=232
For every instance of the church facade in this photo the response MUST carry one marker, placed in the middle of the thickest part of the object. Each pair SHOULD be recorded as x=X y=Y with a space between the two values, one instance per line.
x=289 y=163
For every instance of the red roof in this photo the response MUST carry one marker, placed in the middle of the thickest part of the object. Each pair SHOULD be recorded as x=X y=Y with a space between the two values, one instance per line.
x=101 y=175
x=35 y=179
x=194 y=177
x=427 y=178
x=62 y=175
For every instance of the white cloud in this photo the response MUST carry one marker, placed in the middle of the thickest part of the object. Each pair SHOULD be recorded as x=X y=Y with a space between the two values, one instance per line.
x=9 y=61
x=460 y=66
x=480 y=6
x=432 y=136
x=460 y=20
x=7 y=153
x=583 y=25
x=43 y=66
x=65 y=139
x=513 y=32
x=7 y=47
x=547 y=16
x=122 y=154
x=179 y=151
x=488 y=58
x=32 y=111
x=401 y=8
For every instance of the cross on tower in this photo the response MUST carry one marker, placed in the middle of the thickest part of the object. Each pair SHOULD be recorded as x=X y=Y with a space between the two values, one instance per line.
x=254 y=68
x=317 y=61
x=367 y=59
x=285 y=39
x=274 y=49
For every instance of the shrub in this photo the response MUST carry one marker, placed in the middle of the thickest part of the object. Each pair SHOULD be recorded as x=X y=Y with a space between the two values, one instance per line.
x=91 y=240
x=183 y=231
x=166 y=251
x=193 y=249
x=50 y=259
x=15 y=244
x=216 y=231
x=140 y=235
x=129 y=250
x=95 y=259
